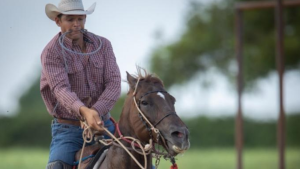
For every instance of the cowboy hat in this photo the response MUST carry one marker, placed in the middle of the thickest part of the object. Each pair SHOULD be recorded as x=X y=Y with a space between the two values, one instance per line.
x=68 y=7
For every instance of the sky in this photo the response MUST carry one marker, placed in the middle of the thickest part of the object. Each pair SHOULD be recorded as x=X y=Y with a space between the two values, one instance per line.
x=130 y=26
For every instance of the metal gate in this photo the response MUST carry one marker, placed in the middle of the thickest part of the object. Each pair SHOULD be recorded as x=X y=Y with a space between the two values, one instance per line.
x=239 y=9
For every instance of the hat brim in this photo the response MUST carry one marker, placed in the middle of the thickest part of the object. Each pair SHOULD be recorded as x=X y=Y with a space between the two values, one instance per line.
x=52 y=11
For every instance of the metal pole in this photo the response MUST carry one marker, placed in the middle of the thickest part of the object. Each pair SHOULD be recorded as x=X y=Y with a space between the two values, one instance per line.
x=280 y=68
x=239 y=117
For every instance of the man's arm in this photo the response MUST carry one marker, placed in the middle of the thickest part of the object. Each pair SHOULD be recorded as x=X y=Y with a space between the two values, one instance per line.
x=57 y=77
x=112 y=83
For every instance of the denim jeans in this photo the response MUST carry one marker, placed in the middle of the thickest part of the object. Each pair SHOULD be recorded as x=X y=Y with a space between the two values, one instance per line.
x=67 y=140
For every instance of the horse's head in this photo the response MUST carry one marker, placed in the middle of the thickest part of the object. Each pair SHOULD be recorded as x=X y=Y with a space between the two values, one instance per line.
x=158 y=108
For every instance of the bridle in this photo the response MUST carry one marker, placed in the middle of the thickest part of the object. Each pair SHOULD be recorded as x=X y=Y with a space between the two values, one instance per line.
x=139 y=105
x=150 y=127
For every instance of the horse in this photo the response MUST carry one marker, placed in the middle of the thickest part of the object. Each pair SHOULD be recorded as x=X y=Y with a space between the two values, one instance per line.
x=149 y=116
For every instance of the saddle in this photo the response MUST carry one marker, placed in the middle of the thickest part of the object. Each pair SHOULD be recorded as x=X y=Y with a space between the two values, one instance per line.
x=92 y=155
x=89 y=152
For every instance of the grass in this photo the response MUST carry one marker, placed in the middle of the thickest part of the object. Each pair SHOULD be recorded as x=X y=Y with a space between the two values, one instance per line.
x=25 y=158
x=222 y=158
x=215 y=158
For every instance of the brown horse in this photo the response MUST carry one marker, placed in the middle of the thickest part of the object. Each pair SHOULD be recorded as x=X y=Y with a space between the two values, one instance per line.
x=157 y=106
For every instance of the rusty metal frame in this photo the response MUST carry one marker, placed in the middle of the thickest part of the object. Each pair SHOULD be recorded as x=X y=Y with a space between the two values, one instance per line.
x=240 y=7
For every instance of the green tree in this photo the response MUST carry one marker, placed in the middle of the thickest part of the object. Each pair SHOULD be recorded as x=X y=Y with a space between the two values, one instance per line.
x=31 y=126
x=208 y=41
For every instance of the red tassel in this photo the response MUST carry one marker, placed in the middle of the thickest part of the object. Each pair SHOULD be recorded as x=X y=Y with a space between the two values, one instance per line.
x=174 y=166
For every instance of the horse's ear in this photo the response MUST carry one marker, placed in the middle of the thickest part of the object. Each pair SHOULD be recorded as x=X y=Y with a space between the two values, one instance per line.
x=131 y=81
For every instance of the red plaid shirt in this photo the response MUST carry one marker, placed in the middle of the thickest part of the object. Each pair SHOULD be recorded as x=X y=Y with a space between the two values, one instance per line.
x=93 y=81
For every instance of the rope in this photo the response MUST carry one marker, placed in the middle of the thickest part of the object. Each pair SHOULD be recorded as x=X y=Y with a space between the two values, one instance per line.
x=145 y=118
x=64 y=48
x=156 y=131
x=125 y=148
x=83 y=31
x=89 y=131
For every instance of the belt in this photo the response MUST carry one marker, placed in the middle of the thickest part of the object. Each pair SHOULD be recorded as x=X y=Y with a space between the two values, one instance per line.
x=105 y=117
x=66 y=121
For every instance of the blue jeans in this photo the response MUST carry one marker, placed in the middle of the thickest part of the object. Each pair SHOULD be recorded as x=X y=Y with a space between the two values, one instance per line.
x=67 y=140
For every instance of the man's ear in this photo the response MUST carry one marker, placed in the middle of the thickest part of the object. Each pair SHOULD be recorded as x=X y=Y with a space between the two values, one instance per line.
x=57 y=21
x=131 y=81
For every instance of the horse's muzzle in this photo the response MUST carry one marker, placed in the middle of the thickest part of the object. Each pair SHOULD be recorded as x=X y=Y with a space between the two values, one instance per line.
x=178 y=141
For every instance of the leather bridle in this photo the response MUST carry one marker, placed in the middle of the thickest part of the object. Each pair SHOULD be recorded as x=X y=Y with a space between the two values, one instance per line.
x=156 y=91
x=150 y=127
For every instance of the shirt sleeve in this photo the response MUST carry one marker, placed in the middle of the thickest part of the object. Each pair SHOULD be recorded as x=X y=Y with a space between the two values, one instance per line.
x=57 y=77
x=112 y=83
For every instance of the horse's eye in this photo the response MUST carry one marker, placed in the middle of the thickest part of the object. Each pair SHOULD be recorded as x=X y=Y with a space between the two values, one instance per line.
x=144 y=103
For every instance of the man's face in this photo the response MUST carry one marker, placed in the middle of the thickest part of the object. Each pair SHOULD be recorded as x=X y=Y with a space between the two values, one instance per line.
x=71 y=22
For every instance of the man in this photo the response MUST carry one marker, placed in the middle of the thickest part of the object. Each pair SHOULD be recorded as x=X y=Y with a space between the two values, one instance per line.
x=80 y=79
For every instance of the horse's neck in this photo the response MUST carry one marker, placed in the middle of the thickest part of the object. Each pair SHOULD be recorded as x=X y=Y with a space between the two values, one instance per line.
x=117 y=157
x=130 y=122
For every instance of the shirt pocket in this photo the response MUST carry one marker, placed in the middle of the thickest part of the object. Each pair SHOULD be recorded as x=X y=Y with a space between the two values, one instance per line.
x=73 y=66
x=76 y=78
x=97 y=70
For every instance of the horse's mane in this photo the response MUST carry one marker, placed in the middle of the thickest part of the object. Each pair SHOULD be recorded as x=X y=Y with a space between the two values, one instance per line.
x=143 y=75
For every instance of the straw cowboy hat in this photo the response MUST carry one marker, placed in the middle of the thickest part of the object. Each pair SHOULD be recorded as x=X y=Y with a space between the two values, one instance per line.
x=68 y=7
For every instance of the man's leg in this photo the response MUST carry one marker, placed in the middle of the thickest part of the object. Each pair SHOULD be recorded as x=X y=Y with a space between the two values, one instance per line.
x=66 y=141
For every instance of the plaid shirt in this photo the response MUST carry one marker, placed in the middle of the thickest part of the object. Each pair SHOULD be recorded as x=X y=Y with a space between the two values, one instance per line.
x=90 y=80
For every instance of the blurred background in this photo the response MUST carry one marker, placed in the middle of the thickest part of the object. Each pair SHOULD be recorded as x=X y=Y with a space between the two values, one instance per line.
x=189 y=44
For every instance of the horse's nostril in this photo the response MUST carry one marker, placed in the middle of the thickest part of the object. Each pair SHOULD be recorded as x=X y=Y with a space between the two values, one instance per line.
x=177 y=134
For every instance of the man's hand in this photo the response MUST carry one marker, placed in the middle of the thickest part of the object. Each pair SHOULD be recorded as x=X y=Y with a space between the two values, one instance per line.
x=92 y=118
